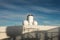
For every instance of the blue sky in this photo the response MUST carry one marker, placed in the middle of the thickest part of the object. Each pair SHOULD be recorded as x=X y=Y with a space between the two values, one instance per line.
x=14 y=12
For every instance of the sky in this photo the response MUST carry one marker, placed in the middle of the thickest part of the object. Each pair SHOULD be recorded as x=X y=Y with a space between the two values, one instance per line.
x=14 y=12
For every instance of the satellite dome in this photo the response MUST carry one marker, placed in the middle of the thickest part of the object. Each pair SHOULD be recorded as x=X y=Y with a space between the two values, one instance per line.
x=25 y=22
x=35 y=23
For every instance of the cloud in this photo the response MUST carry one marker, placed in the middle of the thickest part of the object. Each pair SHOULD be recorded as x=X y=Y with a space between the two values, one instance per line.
x=41 y=17
x=46 y=22
x=3 y=21
x=12 y=16
x=28 y=8
x=10 y=6
x=45 y=10
x=51 y=22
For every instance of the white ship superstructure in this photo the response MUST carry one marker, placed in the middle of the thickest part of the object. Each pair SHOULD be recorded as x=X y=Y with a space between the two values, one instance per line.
x=29 y=25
